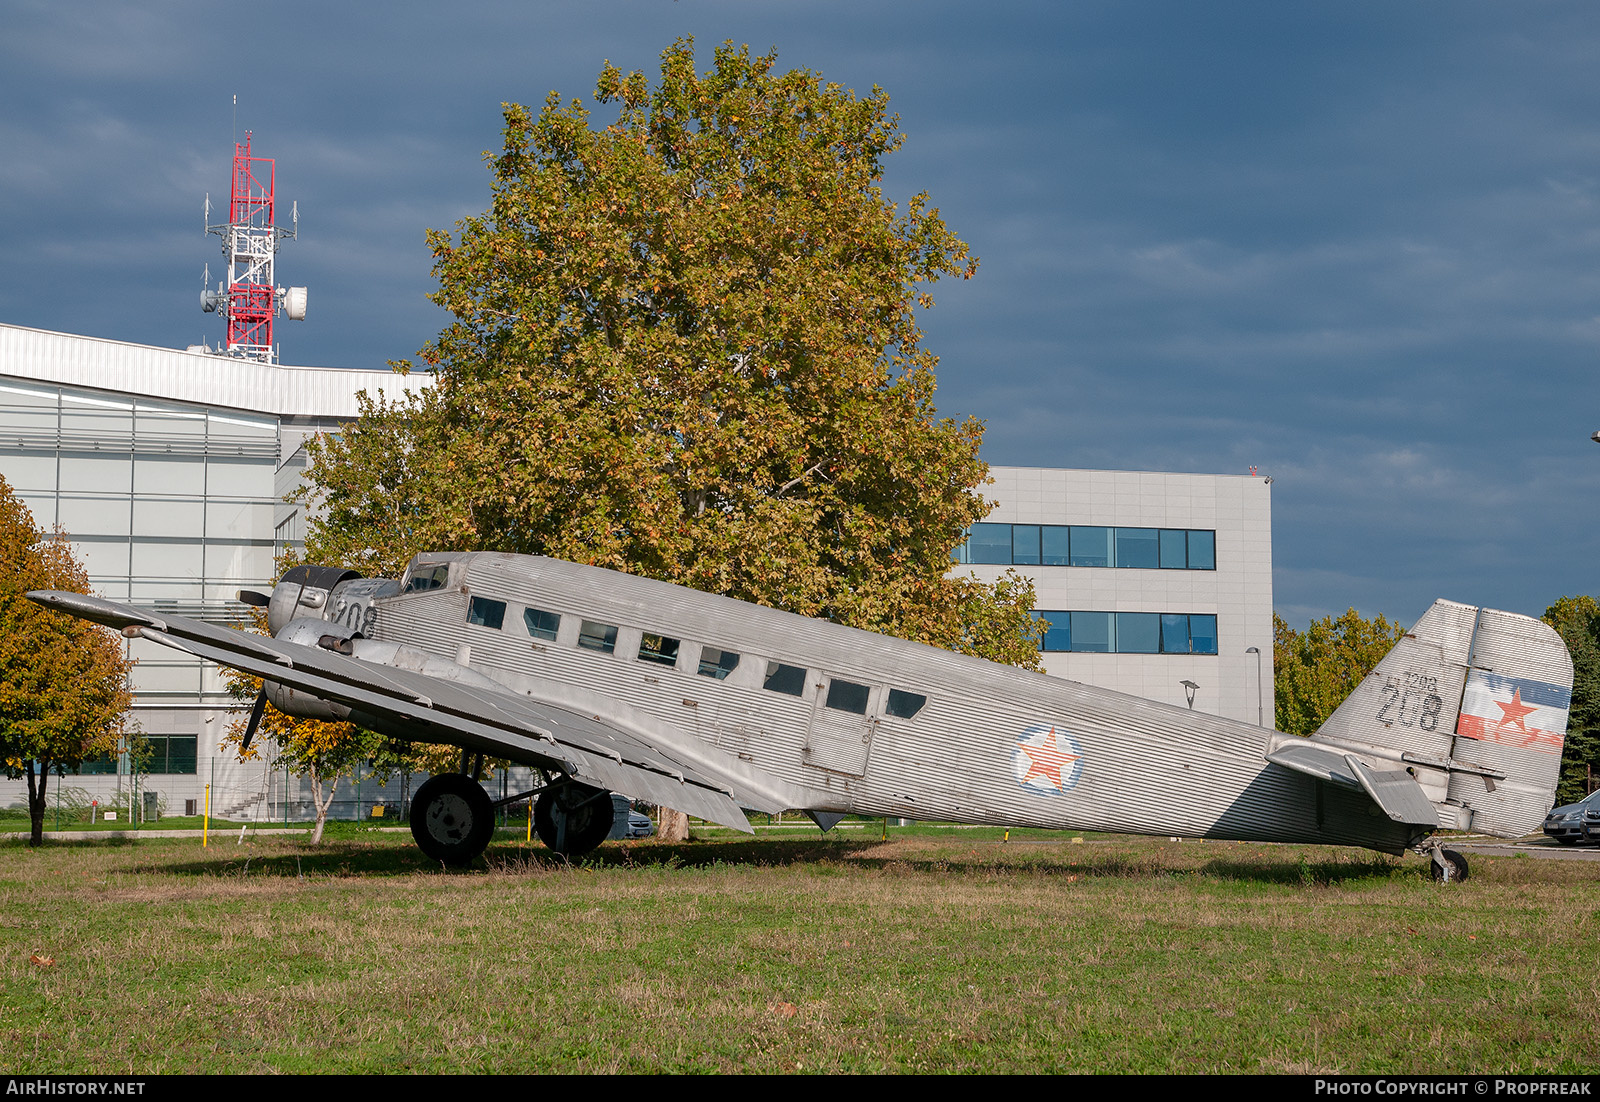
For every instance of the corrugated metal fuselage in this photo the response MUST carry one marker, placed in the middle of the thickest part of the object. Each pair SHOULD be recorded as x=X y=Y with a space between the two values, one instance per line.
x=991 y=744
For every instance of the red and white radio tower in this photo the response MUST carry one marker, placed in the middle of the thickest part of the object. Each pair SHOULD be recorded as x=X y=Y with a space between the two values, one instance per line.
x=250 y=242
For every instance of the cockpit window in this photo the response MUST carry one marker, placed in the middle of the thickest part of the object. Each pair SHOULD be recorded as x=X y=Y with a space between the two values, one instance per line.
x=600 y=637
x=487 y=613
x=904 y=705
x=427 y=577
x=541 y=624
x=717 y=663
x=658 y=648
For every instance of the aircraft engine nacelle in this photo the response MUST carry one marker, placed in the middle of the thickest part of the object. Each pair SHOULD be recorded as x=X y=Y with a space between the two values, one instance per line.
x=302 y=591
x=296 y=702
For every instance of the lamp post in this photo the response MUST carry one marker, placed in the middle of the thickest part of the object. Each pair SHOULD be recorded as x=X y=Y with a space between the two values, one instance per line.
x=1189 y=687
x=1257 y=652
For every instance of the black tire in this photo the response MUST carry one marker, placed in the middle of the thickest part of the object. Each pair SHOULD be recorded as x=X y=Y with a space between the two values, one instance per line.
x=452 y=818
x=588 y=812
x=1456 y=872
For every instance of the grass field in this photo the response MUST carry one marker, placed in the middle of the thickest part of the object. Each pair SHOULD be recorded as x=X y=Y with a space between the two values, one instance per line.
x=939 y=950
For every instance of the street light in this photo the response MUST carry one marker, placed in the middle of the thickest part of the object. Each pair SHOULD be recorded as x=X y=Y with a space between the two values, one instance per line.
x=1189 y=687
x=1257 y=652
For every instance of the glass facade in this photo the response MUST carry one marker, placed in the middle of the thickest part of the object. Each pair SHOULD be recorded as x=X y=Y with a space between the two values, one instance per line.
x=1088 y=545
x=169 y=506
x=1129 y=632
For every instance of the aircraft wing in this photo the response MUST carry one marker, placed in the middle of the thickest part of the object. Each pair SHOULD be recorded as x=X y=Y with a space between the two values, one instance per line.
x=603 y=750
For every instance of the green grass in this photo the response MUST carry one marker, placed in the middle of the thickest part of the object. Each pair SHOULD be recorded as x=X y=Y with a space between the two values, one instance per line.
x=940 y=950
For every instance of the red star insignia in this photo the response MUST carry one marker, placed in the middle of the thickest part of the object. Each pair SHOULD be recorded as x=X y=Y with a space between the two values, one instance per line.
x=1046 y=761
x=1514 y=713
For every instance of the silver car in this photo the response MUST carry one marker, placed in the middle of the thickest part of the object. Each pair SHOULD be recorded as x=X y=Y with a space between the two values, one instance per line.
x=1579 y=822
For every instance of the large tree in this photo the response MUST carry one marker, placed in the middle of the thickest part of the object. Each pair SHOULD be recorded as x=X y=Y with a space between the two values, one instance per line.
x=1314 y=670
x=1578 y=621
x=685 y=345
x=63 y=681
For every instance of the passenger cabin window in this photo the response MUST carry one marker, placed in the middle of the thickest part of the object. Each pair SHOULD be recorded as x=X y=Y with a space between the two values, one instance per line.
x=785 y=679
x=658 y=648
x=717 y=663
x=486 y=613
x=904 y=705
x=847 y=696
x=541 y=624
x=600 y=637
x=427 y=577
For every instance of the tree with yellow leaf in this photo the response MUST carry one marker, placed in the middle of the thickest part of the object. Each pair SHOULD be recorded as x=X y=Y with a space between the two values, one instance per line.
x=63 y=681
x=1314 y=670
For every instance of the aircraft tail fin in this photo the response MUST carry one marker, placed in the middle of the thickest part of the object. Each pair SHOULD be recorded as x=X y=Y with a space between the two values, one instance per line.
x=1473 y=704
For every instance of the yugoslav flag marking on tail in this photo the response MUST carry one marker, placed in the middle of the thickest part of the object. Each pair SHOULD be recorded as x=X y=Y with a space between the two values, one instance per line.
x=1514 y=711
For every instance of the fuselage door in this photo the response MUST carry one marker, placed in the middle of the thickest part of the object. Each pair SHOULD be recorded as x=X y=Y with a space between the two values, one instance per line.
x=843 y=721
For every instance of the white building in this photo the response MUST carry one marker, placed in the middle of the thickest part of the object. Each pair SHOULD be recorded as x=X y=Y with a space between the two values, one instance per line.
x=1148 y=580
x=167 y=469
x=163 y=467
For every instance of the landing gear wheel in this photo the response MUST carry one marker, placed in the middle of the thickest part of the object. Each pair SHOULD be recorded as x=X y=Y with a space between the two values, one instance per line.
x=452 y=818
x=573 y=819
x=1448 y=867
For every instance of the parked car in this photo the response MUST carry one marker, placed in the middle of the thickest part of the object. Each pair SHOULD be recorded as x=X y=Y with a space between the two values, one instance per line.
x=1579 y=822
x=626 y=822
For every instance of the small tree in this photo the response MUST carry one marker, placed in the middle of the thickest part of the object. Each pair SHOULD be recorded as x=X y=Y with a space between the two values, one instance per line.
x=63 y=681
x=1578 y=621
x=1316 y=669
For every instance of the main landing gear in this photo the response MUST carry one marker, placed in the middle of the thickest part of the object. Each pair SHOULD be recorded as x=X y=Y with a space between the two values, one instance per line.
x=452 y=818
x=573 y=818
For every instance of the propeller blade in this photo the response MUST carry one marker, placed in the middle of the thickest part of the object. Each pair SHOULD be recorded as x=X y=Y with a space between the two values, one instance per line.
x=255 y=720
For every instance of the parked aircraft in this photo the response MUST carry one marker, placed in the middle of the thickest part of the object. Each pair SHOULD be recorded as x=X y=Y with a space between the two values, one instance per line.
x=605 y=682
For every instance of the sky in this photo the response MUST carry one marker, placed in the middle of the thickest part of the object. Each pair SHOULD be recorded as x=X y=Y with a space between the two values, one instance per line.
x=1352 y=245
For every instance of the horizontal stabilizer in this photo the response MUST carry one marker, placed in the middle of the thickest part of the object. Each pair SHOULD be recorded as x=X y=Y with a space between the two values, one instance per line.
x=1397 y=793
x=1321 y=762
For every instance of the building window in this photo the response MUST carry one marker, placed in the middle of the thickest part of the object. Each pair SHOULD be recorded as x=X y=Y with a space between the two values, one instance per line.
x=1087 y=545
x=1129 y=632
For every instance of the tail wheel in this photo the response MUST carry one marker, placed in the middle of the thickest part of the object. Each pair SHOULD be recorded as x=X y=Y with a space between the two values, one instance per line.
x=573 y=819
x=1448 y=867
x=452 y=818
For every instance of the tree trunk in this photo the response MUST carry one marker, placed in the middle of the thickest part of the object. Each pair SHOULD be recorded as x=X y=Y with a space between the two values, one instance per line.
x=322 y=807
x=674 y=826
x=37 y=801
